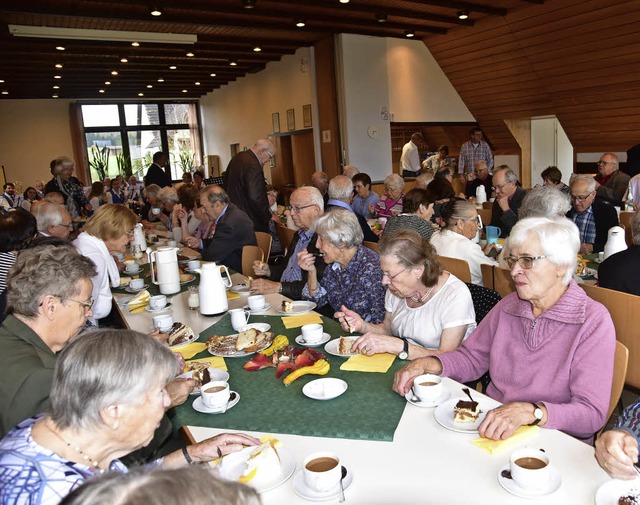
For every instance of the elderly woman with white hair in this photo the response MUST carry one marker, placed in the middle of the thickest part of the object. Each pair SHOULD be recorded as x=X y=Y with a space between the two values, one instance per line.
x=107 y=398
x=548 y=347
x=390 y=204
x=68 y=186
x=353 y=278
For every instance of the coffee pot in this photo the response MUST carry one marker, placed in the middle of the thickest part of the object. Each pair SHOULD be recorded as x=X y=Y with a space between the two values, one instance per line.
x=168 y=274
x=481 y=194
x=212 y=290
x=615 y=241
x=138 y=238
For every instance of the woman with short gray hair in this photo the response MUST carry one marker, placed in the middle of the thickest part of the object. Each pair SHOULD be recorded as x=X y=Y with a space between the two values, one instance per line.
x=353 y=278
x=545 y=201
x=390 y=204
x=107 y=398
x=68 y=186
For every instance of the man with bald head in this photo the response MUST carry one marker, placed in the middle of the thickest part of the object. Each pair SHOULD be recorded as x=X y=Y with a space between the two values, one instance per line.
x=244 y=182
x=320 y=180
x=53 y=220
x=611 y=184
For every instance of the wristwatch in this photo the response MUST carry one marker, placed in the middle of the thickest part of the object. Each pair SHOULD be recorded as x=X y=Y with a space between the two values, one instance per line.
x=404 y=354
x=537 y=413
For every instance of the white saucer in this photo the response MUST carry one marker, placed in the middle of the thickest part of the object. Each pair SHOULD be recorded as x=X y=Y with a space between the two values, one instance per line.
x=158 y=311
x=263 y=309
x=446 y=394
x=326 y=388
x=127 y=272
x=129 y=289
x=201 y=407
x=325 y=338
x=301 y=489
x=216 y=375
x=513 y=488
x=262 y=327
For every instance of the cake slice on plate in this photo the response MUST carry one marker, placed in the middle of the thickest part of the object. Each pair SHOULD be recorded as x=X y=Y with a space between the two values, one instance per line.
x=466 y=411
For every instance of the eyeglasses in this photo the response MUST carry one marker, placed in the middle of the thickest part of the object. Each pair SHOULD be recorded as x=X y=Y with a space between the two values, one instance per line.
x=68 y=226
x=393 y=277
x=297 y=209
x=602 y=162
x=271 y=156
x=525 y=262
x=86 y=305
x=475 y=219
x=501 y=185
x=581 y=198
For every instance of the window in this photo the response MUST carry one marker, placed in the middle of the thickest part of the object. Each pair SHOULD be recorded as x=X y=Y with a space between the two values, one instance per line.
x=122 y=138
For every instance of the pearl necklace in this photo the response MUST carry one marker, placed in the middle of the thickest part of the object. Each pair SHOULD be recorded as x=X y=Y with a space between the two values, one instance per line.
x=94 y=465
x=424 y=297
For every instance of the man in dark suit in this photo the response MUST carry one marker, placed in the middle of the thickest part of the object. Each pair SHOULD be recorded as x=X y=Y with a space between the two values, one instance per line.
x=620 y=271
x=340 y=195
x=504 y=213
x=244 y=182
x=592 y=216
x=233 y=229
x=156 y=173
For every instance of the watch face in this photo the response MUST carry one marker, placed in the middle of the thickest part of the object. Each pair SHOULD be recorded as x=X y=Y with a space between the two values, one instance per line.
x=403 y=355
x=538 y=414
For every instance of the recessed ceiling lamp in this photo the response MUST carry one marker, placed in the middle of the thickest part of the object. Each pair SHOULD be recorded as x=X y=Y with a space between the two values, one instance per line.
x=114 y=72
x=344 y=1
x=60 y=48
x=257 y=49
x=56 y=87
x=197 y=83
x=1 y=81
x=52 y=96
x=300 y=23
x=248 y=4
x=409 y=34
x=381 y=18
x=161 y=80
x=212 y=75
x=58 y=65
x=184 y=90
x=190 y=55
x=172 y=67
x=101 y=91
x=233 y=63
x=124 y=60
x=135 y=44
x=57 y=77
x=463 y=14
x=140 y=94
x=5 y=92
x=149 y=86
x=155 y=11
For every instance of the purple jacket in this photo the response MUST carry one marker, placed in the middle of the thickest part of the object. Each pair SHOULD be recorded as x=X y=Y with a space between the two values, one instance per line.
x=563 y=359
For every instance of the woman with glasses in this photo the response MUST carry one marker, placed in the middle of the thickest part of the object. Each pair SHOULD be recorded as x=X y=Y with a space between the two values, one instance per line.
x=548 y=347
x=427 y=310
x=455 y=239
x=107 y=232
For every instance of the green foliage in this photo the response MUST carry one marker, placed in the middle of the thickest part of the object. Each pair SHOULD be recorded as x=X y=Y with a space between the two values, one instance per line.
x=124 y=166
x=186 y=159
x=100 y=161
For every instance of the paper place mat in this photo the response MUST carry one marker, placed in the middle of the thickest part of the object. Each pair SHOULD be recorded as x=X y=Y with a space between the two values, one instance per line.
x=190 y=350
x=212 y=362
x=379 y=363
x=496 y=446
x=297 y=321
x=231 y=295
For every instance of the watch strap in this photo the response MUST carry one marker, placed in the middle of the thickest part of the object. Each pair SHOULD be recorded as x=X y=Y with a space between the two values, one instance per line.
x=404 y=354
x=537 y=419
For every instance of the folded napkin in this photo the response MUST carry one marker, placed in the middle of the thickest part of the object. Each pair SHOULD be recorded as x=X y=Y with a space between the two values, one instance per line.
x=297 y=321
x=190 y=350
x=377 y=363
x=496 y=446
x=231 y=295
x=212 y=362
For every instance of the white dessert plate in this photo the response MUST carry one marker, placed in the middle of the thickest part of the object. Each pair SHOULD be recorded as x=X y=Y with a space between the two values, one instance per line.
x=332 y=348
x=215 y=373
x=187 y=278
x=423 y=404
x=129 y=289
x=301 y=341
x=201 y=407
x=512 y=487
x=298 y=308
x=590 y=272
x=238 y=354
x=123 y=300
x=233 y=465
x=262 y=327
x=191 y=337
x=158 y=311
x=242 y=289
x=444 y=414
x=610 y=492
x=259 y=311
x=326 y=388
x=303 y=491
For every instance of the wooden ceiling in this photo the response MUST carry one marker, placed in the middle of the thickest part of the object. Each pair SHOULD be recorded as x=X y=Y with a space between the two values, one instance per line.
x=226 y=32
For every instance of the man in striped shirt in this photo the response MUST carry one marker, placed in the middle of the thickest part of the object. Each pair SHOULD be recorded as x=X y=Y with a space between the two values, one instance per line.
x=474 y=150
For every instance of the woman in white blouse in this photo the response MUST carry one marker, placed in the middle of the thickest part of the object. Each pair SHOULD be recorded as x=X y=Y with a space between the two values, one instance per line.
x=460 y=224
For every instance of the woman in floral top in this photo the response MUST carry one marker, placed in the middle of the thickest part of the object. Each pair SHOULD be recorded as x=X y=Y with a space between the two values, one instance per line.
x=390 y=203
x=353 y=278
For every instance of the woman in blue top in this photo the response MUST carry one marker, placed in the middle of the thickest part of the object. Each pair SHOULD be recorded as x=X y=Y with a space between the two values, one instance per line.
x=365 y=197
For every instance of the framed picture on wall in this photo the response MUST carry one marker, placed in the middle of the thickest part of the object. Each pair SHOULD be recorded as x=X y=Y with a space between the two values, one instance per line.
x=275 y=119
x=291 y=119
x=306 y=116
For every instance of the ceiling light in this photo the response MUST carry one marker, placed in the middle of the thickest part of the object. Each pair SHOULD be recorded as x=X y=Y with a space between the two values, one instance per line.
x=57 y=77
x=381 y=18
x=1 y=80
x=140 y=94
x=49 y=32
x=232 y=63
x=149 y=86
x=107 y=83
x=190 y=55
x=300 y=23
x=248 y=4
x=160 y=80
x=58 y=65
x=135 y=44
x=344 y=1
x=5 y=92
x=257 y=49
x=409 y=33
x=52 y=96
x=56 y=87
x=197 y=83
x=156 y=11
x=114 y=72
x=463 y=14
x=172 y=67
x=101 y=91
x=124 y=60
x=212 y=75
x=184 y=90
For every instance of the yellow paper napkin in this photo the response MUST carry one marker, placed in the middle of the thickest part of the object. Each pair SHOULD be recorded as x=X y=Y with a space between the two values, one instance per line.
x=496 y=446
x=377 y=363
x=190 y=350
x=231 y=295
x=297 y=321
x=212 y=362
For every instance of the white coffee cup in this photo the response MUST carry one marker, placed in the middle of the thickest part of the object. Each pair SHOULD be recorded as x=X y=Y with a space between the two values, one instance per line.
x=320 y=473
x=136 y=283
x=256 y=302
x=312 y=333
x=530 y=468
x=163 y=322
x=194 y=264
x=601 y=256
x=131 y=266
x=215 y=394
x=239 y=318
x=427 y=387
x=155 y=211
x=171 y=243
x=158 y=302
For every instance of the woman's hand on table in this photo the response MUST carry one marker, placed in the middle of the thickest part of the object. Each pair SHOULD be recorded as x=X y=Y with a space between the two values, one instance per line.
x=403 y=379
x=349 y=320
x=207 y=450
x=616 y=452
x=372 y=343
x=261 y=268
x=264 y=287
x=179 y=390
x=306 y=261
x=500 y=423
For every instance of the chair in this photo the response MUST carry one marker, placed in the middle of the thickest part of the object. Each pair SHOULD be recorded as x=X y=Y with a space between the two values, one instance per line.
x=250 y=253
x=458 y=267
x=264 y=242
x=620 y=363
x=285 y=235
x=487 y=205
x=485 y=215
x=624 y=309
x=497 y=278
x=625 y=221
x=371 y=245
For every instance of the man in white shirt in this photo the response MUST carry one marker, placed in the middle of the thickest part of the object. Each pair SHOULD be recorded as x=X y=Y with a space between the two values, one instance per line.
x=410 y=159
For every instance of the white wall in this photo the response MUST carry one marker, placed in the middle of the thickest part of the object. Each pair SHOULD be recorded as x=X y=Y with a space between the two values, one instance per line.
x=549 y=146
x=240 y=112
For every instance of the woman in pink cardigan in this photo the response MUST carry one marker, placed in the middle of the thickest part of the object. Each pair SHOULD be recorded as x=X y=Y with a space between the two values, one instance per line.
x=548 y=347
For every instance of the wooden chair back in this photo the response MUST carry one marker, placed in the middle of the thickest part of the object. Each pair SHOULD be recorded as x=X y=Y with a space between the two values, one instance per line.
x=497 y=278
x=485 y=215
x=625 y=221
x=285 y=235
x=620 y=363
x=371 y=245
x=250 y=253
x=624 y=309
x=264 y=242
x=487 y=205
x=459 y=268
